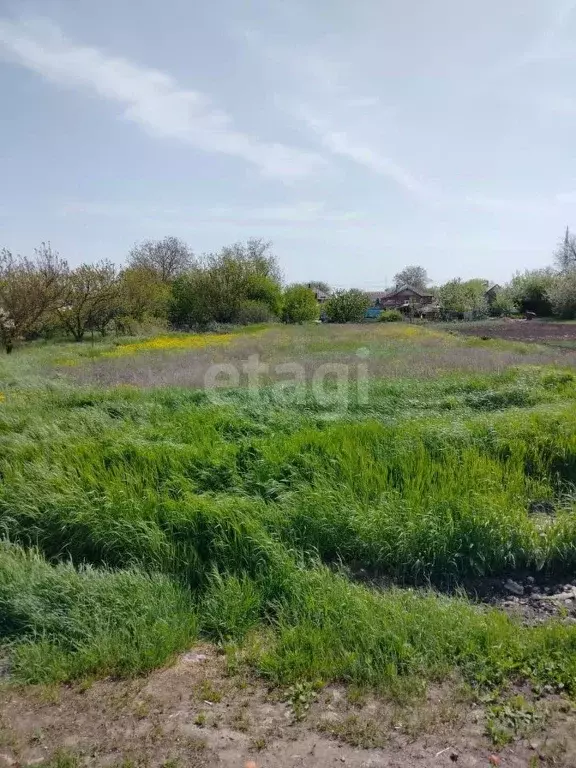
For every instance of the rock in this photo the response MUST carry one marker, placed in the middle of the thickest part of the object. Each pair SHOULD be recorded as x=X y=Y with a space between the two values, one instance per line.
x=567 y=596
x=530 y=580
x=514 y=587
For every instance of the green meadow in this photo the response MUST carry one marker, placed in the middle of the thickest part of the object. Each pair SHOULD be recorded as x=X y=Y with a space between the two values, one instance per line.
x=141 y=512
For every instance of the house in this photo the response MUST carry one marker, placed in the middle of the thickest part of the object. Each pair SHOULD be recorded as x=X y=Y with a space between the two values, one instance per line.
x=403 y=297
x=491 y=293
x=321 y=296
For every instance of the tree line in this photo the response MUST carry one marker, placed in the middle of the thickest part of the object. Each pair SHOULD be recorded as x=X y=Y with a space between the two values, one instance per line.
x=164 y=284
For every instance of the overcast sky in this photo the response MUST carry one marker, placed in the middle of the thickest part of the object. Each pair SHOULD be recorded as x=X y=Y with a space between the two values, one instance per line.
x=357 y=136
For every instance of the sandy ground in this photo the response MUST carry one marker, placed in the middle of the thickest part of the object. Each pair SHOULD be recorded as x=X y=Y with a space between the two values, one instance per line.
x=194 y=714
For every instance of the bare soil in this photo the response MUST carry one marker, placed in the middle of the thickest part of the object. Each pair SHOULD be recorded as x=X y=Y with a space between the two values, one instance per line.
x=194 y=714
x=523 y=330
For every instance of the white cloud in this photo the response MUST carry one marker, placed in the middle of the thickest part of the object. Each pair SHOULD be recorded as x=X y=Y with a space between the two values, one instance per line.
x=339 y=143
x=503 y=205
x=150 y=98
x=304 y=212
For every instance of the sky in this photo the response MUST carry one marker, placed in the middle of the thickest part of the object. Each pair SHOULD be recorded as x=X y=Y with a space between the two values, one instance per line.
x=358 y=137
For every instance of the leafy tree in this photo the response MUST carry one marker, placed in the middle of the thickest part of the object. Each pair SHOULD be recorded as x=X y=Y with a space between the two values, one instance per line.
x=565 y=255
x=93 y=299
x=30 y=289
x=319 y=285
x=218 y=289
x=300 y=305
x=562 y=295
x=503 y=304
x=143 y=294
x=194 y=300
x=257 y=254
x=529 y=291
x=168 y=258
x=415 y=276
x=464 y=296
x=347 y=306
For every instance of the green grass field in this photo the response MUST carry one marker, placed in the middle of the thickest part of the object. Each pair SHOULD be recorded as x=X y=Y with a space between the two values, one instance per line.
x=141 y=511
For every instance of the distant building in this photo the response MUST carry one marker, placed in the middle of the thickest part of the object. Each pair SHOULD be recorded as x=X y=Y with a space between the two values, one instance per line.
x=403 y=296
x=491 y=293
x=321 y=296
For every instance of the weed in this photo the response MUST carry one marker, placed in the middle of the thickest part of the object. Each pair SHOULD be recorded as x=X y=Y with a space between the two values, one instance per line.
x=258 y=744
x=62 y=759
x=356 y=695
x=241 y=721
x=208 y=692
x=355 y=731
x=200 y=719
x=512 y=719
x=300 y=697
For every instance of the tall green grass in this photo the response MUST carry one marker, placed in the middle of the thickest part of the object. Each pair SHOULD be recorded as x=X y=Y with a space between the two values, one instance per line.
x=61 y=623
x=149 y=509
x=168 y=482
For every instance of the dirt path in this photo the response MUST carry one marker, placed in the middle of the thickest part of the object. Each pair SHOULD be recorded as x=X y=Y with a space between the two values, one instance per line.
x=193 y=714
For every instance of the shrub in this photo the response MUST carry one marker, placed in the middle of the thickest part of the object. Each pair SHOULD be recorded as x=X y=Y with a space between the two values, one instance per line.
x=562 y=295
x=218 y=289
x=300 y=305
x=252 y=312
x=503 y=305
x=529 y=291
x=390 y=316
x=347 y=306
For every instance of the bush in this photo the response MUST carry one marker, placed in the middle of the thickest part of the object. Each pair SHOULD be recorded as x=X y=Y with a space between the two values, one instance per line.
x=503 y=305
x=347 y=306
x=529 y=291
x=252 y=312
x=225 y=284
x=390 y=316
x=562 y=296
x=300 y=305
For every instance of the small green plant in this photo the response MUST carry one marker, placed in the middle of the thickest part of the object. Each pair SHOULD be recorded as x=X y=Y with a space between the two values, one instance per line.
x=391 y=316
x=208 y=692
x=300 y=697
x=355 y=731
x=512 y=719
x=241 y=721
x=200 y=719
x=62 y=759
x=259 y=743
x=356 y=695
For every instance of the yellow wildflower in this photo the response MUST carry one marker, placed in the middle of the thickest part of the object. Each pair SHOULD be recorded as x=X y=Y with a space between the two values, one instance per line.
x=169 y=343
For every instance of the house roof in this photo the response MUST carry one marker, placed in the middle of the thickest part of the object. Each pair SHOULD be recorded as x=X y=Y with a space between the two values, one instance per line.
x=407 y=287
x=373 y=295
